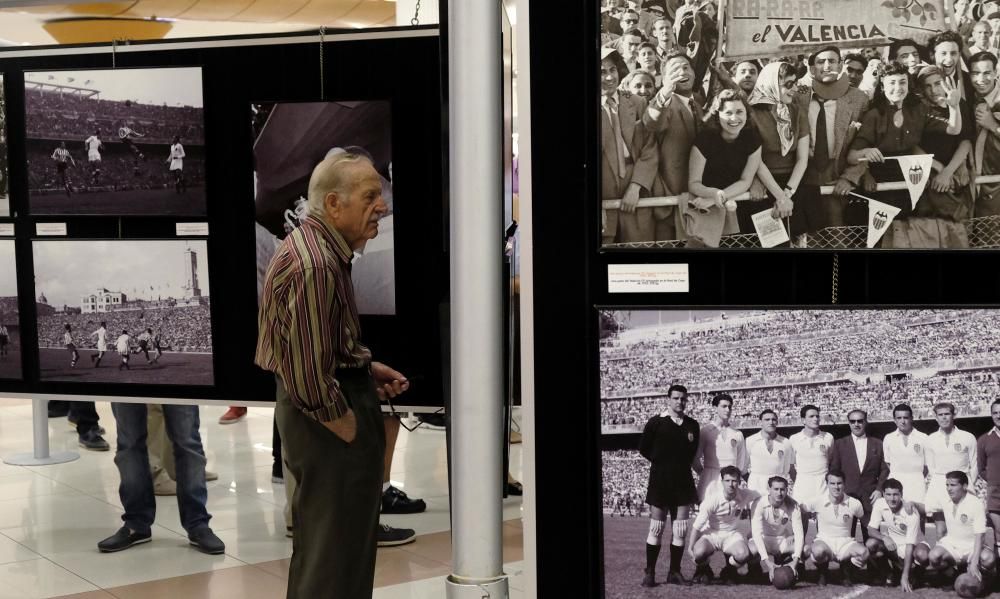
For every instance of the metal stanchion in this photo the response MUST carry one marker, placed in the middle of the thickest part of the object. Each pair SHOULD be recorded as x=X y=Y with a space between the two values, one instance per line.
x=40 y=429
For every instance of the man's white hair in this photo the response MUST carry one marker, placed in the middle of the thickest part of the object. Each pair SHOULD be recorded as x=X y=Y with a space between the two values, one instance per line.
x=331 y=175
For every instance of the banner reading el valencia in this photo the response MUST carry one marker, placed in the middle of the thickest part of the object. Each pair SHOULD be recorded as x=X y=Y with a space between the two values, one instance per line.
x=774 y=27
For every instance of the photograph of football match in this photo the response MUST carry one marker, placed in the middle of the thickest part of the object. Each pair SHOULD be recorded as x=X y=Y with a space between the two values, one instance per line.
x=116 y=142
x=124 y=311
x=10 y=329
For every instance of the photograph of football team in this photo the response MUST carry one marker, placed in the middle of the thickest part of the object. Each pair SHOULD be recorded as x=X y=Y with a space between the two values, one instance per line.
x=290 y=139
x=124 y=311
x=748 y=451
x=10 y=329
x=116 y=142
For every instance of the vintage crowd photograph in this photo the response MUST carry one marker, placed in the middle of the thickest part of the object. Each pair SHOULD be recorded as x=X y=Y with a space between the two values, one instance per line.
x=116 y=142
x=747 y=450
x=853 y=125
x=10 y=327
x=290 y=139
x=124 y=311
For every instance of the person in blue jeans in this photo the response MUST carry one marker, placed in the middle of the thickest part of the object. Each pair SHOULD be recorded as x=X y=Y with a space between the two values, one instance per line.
x=136 y=489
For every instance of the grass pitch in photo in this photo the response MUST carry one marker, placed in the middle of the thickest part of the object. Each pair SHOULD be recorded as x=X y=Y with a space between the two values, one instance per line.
x=116 y=142
x=10 y=329
x=124 y=311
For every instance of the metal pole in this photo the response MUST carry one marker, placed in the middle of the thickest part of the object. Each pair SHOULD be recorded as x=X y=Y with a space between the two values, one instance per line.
x=475 y=205
x=40 y=431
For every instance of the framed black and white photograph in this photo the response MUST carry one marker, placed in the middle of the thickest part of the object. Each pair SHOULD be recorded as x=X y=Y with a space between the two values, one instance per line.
x=710 y=133
x=684 y=394
x=4 y=172
x=10 y=328
x=116 y=142
x=124 y=311
x=290 y=139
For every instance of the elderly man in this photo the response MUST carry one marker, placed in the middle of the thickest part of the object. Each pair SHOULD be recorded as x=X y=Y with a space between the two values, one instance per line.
x=327 y=401
x=861 y=459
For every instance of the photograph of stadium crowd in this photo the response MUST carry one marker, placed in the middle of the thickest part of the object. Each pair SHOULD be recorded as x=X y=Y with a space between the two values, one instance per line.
x=116 y=142
x=10 y=328
x=769 y=137
x=124 y=311
x=805 y=448
x=290 y=139
x=4 y=184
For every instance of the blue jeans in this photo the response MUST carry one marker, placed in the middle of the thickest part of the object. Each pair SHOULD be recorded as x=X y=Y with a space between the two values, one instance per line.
x=132 y=458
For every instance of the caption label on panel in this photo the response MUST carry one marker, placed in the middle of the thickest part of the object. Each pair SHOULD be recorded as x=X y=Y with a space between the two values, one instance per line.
x=199 y=229
x=648 y=278
x=50 y=229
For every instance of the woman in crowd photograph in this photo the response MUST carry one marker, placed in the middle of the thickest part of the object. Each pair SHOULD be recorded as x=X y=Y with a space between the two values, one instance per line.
x=723 y=162
x=784 y=133
x=896 y=126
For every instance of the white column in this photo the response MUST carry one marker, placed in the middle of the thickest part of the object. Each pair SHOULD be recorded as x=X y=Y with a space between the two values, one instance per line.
x=474 y=125
x=525 y=221
x=406 y=8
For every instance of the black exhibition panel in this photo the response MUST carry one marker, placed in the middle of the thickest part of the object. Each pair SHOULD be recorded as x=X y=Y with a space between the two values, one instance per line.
x=237 y=72
x=571 y=282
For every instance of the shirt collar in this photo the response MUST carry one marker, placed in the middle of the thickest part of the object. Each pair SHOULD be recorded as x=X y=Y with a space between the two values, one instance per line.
x=333 y=237
x=992 y=96
x=995 y=431
x=861 y=438
x=604 y=99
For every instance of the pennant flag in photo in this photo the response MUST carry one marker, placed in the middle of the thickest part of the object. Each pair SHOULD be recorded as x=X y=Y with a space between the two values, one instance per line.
x=916 y=173
x=880 y=215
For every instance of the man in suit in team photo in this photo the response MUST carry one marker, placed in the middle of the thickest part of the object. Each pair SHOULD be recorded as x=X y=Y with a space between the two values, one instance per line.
x=862 y=461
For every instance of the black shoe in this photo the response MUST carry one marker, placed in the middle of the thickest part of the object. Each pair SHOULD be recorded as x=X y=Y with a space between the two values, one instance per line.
x=395 y=501
x=516 y=489
x=93 y=441
x=649 y=578
x=388 y=536
x=702 y=575
x=204 y=540
x=729 y=575
x=73 y=423
x=123 y=539
x=946 y=579
x=675 y=577
x=821 y=578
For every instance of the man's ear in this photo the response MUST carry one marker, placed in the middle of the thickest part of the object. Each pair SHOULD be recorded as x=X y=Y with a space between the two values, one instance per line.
x=331 y=201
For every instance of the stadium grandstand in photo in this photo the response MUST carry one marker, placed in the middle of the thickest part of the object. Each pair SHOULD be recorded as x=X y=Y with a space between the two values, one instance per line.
x=836 y=359
x=126 y=311
x=116 y=142
x=766 y=376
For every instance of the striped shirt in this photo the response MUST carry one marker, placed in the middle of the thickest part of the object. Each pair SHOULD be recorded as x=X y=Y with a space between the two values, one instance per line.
x=308 y=320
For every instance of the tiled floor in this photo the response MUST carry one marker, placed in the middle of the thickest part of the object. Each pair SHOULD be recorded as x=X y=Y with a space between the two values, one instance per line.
x=51 y=518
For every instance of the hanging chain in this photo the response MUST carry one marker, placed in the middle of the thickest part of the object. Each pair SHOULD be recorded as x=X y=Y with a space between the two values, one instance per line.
x=835 y=283
x=322 y=69
x=416 y=15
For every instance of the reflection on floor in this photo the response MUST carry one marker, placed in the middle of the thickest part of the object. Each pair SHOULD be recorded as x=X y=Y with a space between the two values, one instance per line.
x=51 y=518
